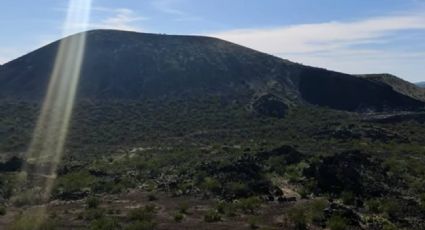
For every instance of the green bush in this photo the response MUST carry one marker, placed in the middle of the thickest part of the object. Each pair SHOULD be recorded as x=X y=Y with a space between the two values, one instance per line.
x=178 y=217
x=152 y=197
x=228 y=209
x=141 y=225
x=142 y=218
x=379 y=222
x=238 y=189
x=294 y=172
x=34 y=220
x=249 y=205
x=28 y=197
x=391 y=208
x=348 y=198
x=374 y=206
x=422 y=200
x=337 y=223
x=73 y=182
x=104 y=224
x=92 y=202
x=253 y=222
x=3 y=210
x=146 y=213
x=315 y=210
x=211 y=184
x=212 y=216
x=93 y=214
x=298 y=218
x=183 y=208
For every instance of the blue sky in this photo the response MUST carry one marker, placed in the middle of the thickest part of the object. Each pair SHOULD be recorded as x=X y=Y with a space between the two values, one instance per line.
x=362 y=36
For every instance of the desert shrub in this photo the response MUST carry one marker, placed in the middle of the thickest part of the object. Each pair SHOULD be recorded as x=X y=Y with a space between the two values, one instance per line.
x=237 y=189
x=92 y=202
x=183 y=208
x=110 y=211
x=178 y=217
x=374 y=206
x=34 y=220
x=422 y=200
x=298 y=218
x=379 y=222
x=277 y=164
x=28 y=197
x=144 y=214
x=104 y=223
x=212 y=216
x=337 y=223
x=141 y=225
x=2 y=210
x=391 y=208
x=395 y=166
x=316 y=210
x=228 y=209
x=93 y=214
x=152 y=197
x=249 y=205
x=220 y=207
x=303 y=193
x=142 y=218
x=348 y=197
x=253 y=222
x=112 y=187
x=389 y=226
x=294 y=172
x=8 y=183
x=73 y=182
x=211 y=184
x=150 y=186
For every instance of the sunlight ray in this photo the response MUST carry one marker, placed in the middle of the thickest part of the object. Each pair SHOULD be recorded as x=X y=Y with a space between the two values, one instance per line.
x=47 y=146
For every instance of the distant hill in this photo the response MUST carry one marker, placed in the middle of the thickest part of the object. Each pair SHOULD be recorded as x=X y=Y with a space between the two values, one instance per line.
x=421 y=84
x=399 y=85
x=136 y=66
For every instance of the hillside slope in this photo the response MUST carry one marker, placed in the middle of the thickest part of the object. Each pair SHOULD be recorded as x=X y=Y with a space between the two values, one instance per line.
x=133 y=66
x=398 y=85
x=420 y=84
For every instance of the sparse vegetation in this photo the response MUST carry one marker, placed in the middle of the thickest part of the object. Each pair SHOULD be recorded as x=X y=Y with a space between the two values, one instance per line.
x=105 y=223
x=92 y=202
x=337 y=223
x=212 y=216
x=244 y=165
x=3 y=210
x=178 y=217
x=34 y=219
x=298 y=218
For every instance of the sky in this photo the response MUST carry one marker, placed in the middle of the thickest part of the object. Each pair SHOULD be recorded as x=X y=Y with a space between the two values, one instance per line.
x=357 y=37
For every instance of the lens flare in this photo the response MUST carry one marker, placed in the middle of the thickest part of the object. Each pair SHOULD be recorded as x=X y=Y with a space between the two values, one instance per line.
x=47 y=146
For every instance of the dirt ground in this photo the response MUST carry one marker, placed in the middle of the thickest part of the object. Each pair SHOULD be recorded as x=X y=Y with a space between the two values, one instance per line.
x=68 y=213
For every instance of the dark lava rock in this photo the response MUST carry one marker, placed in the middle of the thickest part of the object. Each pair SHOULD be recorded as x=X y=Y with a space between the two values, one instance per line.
x=352 y=171
x=74 y=195
x=245 y=170
x=351 y=217
x=291 y=155
x=271 y=106
x=13 y=164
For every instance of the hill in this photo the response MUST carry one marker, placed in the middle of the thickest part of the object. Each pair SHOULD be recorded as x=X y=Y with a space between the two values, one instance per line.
x=420 y=84
x=135 y=66
x=399 y=85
